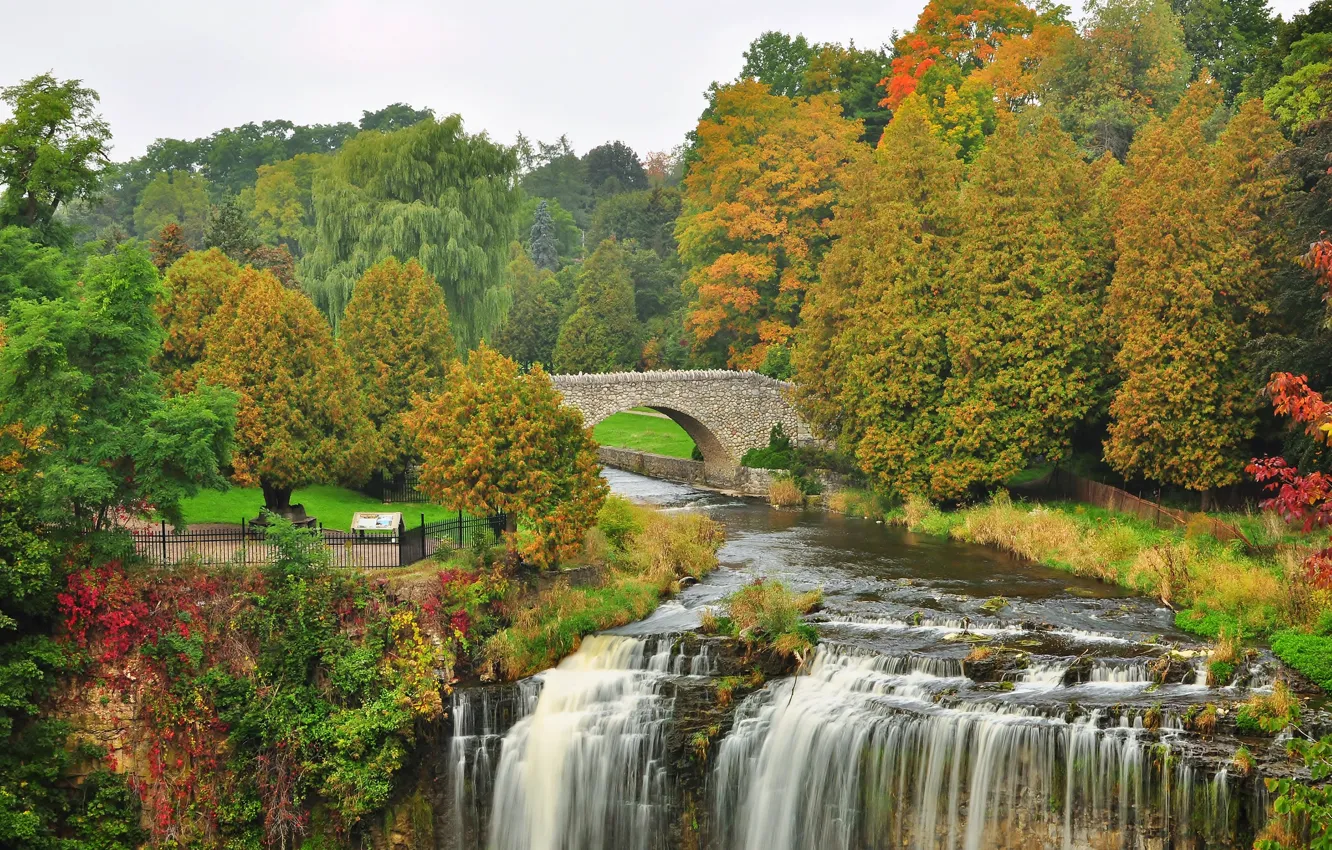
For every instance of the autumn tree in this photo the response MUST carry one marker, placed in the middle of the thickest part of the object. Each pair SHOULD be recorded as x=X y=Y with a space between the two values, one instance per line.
x=545 y=251
x=193 y=290
x=76 y=373
x=1025 y=292
x=1127 y=65
x=497 y=439
x=53 y=150
x=601 y=335
x=1189 y=283
x=299 y=417
x=396 y=336
x=757 y=202
x=533 y=325
x=955 y=37
x=872 y=357
x=430 y=192
x=168 y=246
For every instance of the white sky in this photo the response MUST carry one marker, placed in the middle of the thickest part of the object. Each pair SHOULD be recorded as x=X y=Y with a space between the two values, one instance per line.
x=594 y=69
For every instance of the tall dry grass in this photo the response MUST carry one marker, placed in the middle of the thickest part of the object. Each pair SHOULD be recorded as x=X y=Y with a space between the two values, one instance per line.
x=784 y=492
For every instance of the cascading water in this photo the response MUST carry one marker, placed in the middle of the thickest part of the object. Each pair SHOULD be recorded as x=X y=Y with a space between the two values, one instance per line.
x=858 y=754
x=584 y=770
x=931 y=717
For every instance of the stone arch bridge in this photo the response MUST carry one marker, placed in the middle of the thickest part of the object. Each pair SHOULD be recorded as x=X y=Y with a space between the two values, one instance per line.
x=725 y=412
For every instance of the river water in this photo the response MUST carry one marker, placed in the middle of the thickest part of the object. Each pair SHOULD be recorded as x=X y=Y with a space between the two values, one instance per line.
x=894 y=736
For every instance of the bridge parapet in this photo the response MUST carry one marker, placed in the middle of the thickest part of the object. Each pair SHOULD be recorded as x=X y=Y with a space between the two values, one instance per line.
x=725 y=412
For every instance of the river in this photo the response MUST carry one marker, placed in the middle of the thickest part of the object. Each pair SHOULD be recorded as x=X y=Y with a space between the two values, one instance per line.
x=895 y=735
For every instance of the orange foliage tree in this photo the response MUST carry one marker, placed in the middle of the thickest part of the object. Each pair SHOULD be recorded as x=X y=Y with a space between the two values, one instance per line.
x=396 y=335
x=299 y=420
x=962 y=33
x=1192 y=231
x=500 y=440
x=757 y=202
x=194 y=287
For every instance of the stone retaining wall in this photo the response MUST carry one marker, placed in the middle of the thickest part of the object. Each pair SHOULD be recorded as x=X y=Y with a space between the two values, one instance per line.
x=738 y=479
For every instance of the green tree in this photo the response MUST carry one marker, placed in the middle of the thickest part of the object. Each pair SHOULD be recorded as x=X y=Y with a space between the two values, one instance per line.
x=231 y=231
x=1023 y=298
x=871 y=357
x=568 y=236
x=1303 y=95
x=29 y=271
x=854 y=75
x=78 y=370
x=299 y=417
x=1226 y=37
x=396 y=335
x=545 y=250
x=533 y=325
x=647 y=217
x=395 y=116
x=52 y=151
x=497 y=439
x=431 y=193
x=554 y=171
x=613 y=168
x=282 y=204
x=1189 y=282
x=602 y=334
x=780 y=62
x=1127 y=65
x=174 y=197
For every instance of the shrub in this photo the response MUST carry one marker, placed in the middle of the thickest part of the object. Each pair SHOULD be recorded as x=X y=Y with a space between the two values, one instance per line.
x=784 y=492
x=767 y=612
x=861 y=503
x=1268 y=713
x=1311 y=655
x=1243 y=761
x=1303 y=812
x=778 y=454
x=619 y=520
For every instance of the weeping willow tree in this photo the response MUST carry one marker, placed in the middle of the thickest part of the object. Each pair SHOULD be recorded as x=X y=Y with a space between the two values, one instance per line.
x=430 y=192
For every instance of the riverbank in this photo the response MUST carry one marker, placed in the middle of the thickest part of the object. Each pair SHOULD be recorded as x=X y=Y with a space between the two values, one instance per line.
x=1215 y=590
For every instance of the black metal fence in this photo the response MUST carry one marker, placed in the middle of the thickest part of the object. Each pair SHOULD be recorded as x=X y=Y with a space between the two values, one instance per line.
x=249 y=545
x=398 y=489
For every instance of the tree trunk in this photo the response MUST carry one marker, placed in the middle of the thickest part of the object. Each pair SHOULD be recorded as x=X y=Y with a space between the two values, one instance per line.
x=276 y=499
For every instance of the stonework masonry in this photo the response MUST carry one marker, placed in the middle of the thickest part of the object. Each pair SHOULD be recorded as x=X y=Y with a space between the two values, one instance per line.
x=725 y=412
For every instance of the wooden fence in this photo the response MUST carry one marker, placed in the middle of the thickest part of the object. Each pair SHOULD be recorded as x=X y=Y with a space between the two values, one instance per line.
x=246 y=545
x=1066 y=485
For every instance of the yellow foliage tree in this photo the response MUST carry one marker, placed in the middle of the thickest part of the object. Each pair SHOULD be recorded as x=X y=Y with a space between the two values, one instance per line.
x=195 y=286
x=396 y=335
x=500 y=440
x=299 y=419
x=1190 y=282
x=757 y=203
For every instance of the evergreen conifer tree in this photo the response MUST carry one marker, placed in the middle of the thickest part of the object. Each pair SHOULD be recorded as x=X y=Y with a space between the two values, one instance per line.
x=545 y=248
x=602 y=333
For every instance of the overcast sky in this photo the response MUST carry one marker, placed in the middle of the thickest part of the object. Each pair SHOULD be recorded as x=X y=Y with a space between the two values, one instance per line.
x=594 y=69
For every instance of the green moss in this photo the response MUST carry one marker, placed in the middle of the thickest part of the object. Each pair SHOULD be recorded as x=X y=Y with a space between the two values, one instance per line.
x=1311 y=655
x=1208 y=624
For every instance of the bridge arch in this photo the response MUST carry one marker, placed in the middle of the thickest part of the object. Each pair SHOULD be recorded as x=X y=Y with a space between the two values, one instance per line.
x=726 y=413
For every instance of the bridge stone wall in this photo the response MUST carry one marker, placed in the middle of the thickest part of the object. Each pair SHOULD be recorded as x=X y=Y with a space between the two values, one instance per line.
x=736 y=479
x=726 y=413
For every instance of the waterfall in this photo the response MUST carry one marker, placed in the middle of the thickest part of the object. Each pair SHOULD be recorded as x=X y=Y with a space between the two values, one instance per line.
x=585 y=769
x=858 y=754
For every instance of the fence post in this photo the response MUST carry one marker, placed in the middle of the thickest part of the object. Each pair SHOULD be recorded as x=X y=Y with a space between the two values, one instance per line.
x=423 y=536
x=460 y=529
x=164 y=544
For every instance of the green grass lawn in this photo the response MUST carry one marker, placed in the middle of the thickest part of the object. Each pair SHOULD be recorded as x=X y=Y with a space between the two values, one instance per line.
x=332 y=506
x=630 y=430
